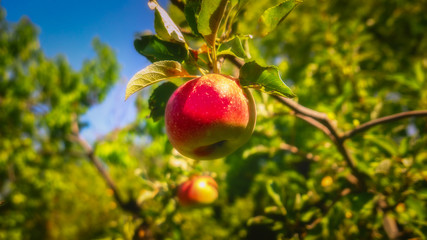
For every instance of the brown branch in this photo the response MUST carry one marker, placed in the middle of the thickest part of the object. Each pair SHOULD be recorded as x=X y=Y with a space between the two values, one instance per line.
x=390 y=118
x=322 y=122
x=298 y=108
x=130 y=206
x=316 y=124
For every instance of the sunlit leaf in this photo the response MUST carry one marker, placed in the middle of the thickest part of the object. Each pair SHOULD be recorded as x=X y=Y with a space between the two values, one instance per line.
x=155 y=49
x=275 y=15
x=271 y=190
x=159 y=98
x=232 y=47
x=402 y=79
x=259 y=220
x=211 y=13
x=417 y=206
x=266 y=79
x=385 y=144
x=165 y=28
x=156 y=72
x=308 y=215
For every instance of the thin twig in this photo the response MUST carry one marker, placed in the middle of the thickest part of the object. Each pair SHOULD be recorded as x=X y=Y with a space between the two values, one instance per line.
x=390 y=118
x=130 y=206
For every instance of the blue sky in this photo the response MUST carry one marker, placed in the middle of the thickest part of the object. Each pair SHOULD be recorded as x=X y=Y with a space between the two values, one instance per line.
x=68 y=27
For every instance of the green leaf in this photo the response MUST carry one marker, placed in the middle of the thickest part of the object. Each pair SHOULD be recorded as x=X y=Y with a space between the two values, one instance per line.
x=387 y=145
x=417 y=206
x=155 y=49
x=359 y=200
x=259 y=220
x=405 y=81
x=156 y=72
x=275 y=15
x=271 y=190
x=308 y=215
x=232 y=47
x=211 y=13
x=266 y=79
x=165 y=28
x=422 y=193
x=159 y=98
x=191 y=12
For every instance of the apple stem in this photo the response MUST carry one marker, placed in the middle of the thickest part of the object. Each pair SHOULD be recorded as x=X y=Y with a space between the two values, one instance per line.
x=201 y=70
x=214 y=60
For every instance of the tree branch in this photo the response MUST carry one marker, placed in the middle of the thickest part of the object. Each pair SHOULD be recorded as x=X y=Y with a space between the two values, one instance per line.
x=323 y=123
x=130 y=206
x=316 y=124
x=390 y=118
x=319 y=120
x=319 y=116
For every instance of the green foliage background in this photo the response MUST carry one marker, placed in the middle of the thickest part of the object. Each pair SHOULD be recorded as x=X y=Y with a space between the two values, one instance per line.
x=355 y=61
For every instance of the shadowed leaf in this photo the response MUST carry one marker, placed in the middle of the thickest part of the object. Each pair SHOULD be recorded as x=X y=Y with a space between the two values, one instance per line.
x=155 y=49
x=191 y=12
x=159 y=98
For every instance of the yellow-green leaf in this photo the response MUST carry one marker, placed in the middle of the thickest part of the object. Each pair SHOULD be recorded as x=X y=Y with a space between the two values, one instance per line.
x=165 y=28
x=266 y=79
x=156 y=72
x=275 y=15
x=210 y=16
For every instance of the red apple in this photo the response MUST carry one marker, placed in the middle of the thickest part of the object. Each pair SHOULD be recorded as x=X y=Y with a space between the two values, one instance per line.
x=209 y=117
x=198 y=190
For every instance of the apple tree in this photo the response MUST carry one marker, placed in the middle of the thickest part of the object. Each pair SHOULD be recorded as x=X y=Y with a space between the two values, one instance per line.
x=340 y=159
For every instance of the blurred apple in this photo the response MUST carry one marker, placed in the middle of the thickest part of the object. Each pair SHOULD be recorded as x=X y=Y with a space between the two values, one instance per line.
x=198 y=190
x=210 y=117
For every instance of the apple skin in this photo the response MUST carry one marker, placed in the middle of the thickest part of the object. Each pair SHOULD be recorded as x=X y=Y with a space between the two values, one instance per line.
x=210 y=117
x=198 y=190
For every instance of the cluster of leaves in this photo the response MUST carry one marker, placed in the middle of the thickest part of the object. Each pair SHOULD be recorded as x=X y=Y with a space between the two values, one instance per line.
x=211 y=30
x=311 y=193
x=43 y=173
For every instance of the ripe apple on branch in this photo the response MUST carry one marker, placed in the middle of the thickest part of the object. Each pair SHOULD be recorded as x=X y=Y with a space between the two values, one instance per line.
x=211 y=115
